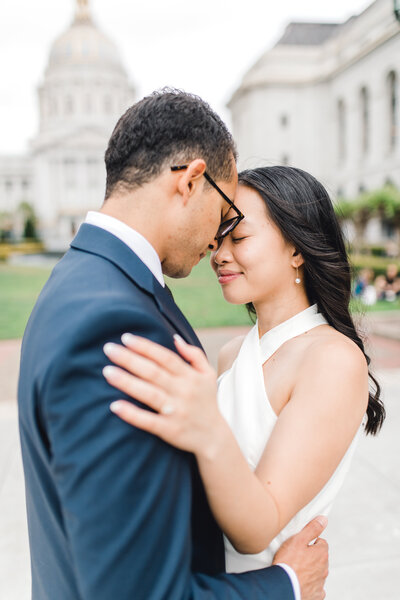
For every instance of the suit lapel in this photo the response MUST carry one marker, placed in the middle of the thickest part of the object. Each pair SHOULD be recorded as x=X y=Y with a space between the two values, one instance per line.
x=98 y=241
x=173 y=313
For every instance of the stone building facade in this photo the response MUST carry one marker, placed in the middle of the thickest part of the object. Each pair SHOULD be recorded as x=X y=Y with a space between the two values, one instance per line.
x=326 y=99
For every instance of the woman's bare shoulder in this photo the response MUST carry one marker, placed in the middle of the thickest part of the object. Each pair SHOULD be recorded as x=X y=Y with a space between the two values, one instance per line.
x=338 y=358
x=228 y=353
x=331 y=344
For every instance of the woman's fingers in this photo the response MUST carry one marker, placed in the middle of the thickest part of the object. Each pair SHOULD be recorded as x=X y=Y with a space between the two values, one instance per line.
x=160 y=355
x=143 y=419
x=138 y=365
x=135 y=387
x=193 y=355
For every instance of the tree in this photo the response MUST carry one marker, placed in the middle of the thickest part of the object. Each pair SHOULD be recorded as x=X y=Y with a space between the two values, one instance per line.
x=385 y=203
x=29 y=220
x=344 y=209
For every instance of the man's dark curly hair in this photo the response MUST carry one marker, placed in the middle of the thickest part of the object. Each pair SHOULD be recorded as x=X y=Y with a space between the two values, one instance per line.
x=166 y=128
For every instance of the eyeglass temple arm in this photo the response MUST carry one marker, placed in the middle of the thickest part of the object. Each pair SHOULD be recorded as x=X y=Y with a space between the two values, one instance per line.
x=215 y=186
x=225 y=197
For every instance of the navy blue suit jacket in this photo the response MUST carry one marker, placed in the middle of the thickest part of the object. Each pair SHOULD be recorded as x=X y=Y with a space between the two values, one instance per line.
x=114 y=513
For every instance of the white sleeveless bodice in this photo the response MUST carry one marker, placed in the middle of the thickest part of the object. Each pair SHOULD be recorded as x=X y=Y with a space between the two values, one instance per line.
x=244 y=403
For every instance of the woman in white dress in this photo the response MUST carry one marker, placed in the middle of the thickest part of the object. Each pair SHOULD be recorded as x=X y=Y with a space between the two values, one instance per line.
x=292 y=393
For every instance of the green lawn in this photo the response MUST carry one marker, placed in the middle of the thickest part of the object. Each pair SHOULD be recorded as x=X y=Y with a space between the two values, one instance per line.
x=199 y=296
x=19 y=288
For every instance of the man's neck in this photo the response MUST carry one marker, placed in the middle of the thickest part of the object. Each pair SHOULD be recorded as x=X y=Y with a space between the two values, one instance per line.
x=136 y=219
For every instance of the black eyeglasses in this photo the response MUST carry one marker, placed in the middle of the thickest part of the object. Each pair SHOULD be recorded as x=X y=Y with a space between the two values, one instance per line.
x=228 y=225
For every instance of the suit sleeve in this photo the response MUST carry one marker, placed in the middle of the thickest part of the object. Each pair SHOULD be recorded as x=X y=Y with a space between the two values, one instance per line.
x=125 y=495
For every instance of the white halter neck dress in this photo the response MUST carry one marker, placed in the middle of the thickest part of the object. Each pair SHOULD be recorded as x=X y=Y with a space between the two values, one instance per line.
x=244 y=403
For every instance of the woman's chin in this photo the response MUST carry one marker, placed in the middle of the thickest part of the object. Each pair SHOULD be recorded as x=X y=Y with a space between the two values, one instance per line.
x=235 y=298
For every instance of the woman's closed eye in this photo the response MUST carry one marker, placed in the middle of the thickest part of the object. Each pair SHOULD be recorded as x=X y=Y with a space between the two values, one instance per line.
x=235 y=240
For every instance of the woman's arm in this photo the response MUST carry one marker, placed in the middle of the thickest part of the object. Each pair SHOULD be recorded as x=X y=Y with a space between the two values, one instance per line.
x=310 y=438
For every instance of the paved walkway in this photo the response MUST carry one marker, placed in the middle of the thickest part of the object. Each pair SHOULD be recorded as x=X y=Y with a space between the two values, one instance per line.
x=364 y=528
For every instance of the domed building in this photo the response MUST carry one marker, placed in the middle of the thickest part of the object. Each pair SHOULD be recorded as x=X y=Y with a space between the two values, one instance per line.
x=84 y=91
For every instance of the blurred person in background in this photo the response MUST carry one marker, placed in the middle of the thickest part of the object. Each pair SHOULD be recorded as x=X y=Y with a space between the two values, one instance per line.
x=388 y=285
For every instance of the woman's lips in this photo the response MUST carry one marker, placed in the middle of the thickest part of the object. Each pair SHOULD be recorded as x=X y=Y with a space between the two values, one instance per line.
x=227 y=276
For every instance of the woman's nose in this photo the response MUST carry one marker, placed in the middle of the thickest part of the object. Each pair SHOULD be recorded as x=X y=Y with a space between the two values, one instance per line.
x=221 y=254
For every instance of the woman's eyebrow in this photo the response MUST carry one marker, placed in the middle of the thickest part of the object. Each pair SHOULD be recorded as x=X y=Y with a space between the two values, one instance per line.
x=245 y=223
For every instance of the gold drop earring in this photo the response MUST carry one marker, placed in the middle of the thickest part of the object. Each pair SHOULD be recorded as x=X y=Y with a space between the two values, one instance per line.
x=297 y=280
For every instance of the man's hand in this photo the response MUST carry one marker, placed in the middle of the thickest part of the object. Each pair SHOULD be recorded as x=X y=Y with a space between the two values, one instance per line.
x=309 y=562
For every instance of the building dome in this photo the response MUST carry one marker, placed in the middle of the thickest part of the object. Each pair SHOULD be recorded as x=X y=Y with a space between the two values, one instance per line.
x=84 y=45
x=85 y=83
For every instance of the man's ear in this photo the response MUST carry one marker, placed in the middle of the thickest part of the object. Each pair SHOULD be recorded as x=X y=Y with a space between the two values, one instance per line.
x=191 y=178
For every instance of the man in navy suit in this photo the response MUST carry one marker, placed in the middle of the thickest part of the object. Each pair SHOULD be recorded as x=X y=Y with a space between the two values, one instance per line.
x=113 y=512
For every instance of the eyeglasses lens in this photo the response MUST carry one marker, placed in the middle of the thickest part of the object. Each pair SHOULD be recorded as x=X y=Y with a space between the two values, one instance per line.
x=226 y=227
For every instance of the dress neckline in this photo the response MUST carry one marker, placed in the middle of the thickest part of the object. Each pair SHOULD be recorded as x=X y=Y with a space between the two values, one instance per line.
x=300 y=323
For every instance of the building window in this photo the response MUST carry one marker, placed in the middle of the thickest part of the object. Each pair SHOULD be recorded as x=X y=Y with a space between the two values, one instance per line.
x=393 y=102
x=53 y=107
x=93 y=166
x=70 y=173
x=69 y=105
x=9 y=185
x=361 y=188
x=88 y=103
x=341 y=113
x=284 y=121
x=364 y=113
x=107 y=105
x=388 y=229
x=25 y=184
x=285 y=160
x=340 y=192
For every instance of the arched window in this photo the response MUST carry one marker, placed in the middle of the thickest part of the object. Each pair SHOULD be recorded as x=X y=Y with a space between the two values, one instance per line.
x=393 y=102
x=341 y=115
x=284 y=120
x=364 y=113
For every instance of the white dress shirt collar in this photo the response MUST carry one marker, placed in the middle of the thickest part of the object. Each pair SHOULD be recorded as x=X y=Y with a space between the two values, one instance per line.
x=133 y=239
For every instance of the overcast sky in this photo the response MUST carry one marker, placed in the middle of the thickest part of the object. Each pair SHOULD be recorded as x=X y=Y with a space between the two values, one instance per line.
x=202 y=46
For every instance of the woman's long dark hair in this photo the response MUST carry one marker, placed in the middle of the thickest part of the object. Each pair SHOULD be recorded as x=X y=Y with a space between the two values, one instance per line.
x=301 y=208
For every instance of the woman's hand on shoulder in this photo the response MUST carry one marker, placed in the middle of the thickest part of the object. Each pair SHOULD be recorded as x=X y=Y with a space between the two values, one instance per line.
x=180 y=390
